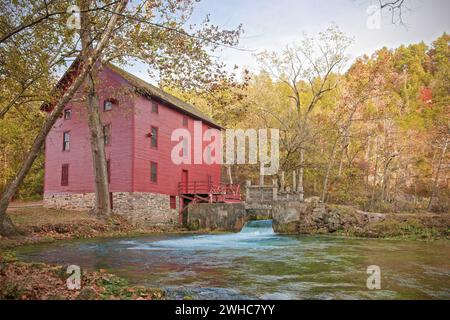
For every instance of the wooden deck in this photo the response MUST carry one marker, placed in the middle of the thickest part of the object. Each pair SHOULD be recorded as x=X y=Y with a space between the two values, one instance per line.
x=200 y=191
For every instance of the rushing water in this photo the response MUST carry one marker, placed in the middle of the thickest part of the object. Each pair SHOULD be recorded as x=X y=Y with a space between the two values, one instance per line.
x=257 y=263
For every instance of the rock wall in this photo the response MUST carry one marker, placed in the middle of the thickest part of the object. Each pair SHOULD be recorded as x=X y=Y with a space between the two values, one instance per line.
x=145 y=209
x=287 y=215
x=217 y=216
x=70 y=201
x=310 y=217
x=142 y=209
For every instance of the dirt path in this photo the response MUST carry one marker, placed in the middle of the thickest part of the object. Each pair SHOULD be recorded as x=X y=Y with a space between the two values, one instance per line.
x=17 y=205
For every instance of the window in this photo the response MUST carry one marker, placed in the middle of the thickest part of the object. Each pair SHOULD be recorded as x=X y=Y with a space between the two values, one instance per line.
x=173 y=202
x=185 y=121
x=107 y=105
x=67 y=114
x=108 y=170
x=66 y=141
x=65 y=175
x=153 y=171
x=154 y=136
x=107 y=134
x=154 y=107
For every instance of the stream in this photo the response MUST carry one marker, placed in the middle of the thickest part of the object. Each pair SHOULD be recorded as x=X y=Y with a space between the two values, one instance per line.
x=256 y=263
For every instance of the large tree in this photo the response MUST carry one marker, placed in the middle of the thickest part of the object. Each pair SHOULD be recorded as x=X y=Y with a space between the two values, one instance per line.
x=154 y=32
x=308 y=69
x=64 y=96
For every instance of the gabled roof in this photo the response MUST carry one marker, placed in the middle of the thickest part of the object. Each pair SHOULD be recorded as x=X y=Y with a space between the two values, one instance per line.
x=154 y=92
x=64 y=82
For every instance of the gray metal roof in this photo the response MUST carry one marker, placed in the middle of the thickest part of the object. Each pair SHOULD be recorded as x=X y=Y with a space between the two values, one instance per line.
x=152 y=91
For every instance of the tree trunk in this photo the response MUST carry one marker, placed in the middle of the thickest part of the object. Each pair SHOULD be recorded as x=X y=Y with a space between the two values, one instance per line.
x=230 y=176
x=386 y=178
x=6 y=226
x=344 y=151
x=300 y=174
x=438 y=171
x=327 y=174
x=374 y=186
x=102 y=200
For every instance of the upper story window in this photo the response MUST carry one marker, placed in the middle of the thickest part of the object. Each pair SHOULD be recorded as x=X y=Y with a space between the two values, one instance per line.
x=155 y=107
x=107 y=134
x=67 y=114
x=185 y=121
x=65 y=175
x=153 y=172
x=108 y=105
x=154 y=136
x=66 y=141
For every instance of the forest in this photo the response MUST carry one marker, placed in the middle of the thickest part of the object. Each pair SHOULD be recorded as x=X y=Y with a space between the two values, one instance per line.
x=376 y=138
x=375 y=135
x=373 y=132
x=362 y=109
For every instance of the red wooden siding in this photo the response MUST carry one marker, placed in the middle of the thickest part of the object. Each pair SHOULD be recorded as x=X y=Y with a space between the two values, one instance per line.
x=129 y=151
x=169 y=175
x=79 y=156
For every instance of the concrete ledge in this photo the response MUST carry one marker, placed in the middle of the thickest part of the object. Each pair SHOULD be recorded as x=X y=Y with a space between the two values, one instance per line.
x=217 y=216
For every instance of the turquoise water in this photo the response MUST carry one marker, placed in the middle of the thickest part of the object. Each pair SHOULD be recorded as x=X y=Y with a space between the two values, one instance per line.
x=257 y=263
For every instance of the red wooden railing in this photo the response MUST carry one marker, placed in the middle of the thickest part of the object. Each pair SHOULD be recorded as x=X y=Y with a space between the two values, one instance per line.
x=215 y=192
x=194 y=187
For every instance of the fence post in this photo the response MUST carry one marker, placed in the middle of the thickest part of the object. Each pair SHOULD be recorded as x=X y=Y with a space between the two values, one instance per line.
x=247 y=190
x=275 y=190
x=282 y=182
x=294 y=181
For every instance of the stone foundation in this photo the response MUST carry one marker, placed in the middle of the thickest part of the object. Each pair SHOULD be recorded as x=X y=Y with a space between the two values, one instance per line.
x=142 y=209
x=145 y=209
x=217 y=216
x=70 y=201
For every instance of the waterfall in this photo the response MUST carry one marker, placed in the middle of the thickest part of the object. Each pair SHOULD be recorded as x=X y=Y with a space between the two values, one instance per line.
x=251 y=234
x=258 y=227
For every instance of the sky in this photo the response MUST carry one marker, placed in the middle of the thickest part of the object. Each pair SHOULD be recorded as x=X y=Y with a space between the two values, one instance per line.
x=273 y=24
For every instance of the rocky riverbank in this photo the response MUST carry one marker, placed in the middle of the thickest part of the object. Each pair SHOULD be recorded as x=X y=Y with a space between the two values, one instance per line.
x=313 y=217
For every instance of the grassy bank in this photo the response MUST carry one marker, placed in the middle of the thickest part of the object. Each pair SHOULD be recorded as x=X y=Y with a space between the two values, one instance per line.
x=412 y=226
x=42 y=225
x=23 y=280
